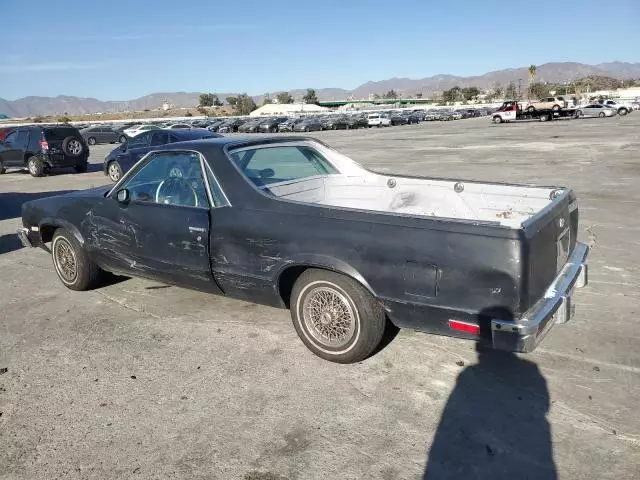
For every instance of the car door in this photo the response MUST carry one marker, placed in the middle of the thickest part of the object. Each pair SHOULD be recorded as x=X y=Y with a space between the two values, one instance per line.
x=16 y=143
x=161 y=229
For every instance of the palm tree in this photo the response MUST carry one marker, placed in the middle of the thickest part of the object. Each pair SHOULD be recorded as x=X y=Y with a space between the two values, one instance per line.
x=532 y=76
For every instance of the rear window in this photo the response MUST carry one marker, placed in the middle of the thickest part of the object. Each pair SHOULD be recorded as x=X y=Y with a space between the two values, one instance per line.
x=59 y=134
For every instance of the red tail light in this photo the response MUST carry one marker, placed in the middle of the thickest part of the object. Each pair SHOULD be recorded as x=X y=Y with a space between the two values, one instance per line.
x=464 y=327
x=44 y=145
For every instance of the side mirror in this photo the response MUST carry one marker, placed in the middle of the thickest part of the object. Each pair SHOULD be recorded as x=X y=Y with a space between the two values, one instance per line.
x=123 y=196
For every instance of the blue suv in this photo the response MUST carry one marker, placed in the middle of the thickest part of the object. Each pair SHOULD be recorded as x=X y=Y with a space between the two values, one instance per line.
x=125 y=156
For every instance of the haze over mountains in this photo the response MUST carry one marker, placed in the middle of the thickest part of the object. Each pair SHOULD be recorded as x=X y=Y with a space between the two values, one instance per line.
x=549 y=72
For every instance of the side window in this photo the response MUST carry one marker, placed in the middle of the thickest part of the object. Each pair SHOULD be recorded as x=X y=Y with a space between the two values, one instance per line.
x=217 y=195
x=11 y=137
x=159 y=137
x=22 y=139
x=139 y=141
x=264 y=166
x=169 y=178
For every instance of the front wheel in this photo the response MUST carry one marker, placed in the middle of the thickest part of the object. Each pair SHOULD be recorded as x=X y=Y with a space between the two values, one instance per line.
x=71 y=262
x=336 y=317
x=497 y=119
x=114 y=171
x=91 y=141
x=602 y=115
x=623 y=111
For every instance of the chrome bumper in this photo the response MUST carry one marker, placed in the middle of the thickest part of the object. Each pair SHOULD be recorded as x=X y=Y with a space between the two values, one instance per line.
x=556 y=307
x=23 y=235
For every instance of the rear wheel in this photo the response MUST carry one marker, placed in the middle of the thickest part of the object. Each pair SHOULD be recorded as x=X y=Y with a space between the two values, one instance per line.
x=336 y=317
x=579 y=114
x=497 y=119
x=602 y=114
x=623 y=111
x=91 y=141
x=35 y=166
x=531 y=109
x=556 y=108
x=72 y=263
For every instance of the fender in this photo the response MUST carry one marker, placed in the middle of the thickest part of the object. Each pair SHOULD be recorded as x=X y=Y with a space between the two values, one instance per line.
x=59 y=222
x=327 y=262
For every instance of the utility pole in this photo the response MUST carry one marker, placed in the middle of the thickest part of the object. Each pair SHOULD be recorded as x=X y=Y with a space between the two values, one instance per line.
x=519 y=89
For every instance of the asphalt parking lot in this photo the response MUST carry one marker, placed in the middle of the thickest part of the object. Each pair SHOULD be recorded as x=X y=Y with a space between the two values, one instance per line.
x=142 y=380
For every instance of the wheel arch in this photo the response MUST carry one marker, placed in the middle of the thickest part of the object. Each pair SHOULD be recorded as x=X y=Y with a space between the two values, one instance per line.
x=287 y=276
x=49 y=225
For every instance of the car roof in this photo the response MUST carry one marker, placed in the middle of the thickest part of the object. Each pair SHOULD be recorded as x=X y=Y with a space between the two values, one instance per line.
x=237 y=142
x=190 y=134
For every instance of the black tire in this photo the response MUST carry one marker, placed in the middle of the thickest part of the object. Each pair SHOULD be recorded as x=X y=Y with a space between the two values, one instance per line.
x=114 y=171
x=2 y=167
x=81 y=167
x=497 y=119
x=306 y=129
x=71 y=262
x=367 y=318
x=602 y=114
x=122 y=139
x=622 y=111
x=35 y=166
x=531 y=109
x=91 y=141
x=72 y=146
x=556 y=108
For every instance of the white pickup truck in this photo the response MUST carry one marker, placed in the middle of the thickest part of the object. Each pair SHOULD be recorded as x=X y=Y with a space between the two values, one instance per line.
x=623 y=108
x=378 y=120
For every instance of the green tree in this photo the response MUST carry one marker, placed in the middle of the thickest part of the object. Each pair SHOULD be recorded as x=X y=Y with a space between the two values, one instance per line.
x=242 y=104
x=206 y=100
x=452 y=95
x=391 y=94
x=284 y=97
x=469 y=93
x=310 y=96
x=511 y=92
x=539 y=90
x=266 y=100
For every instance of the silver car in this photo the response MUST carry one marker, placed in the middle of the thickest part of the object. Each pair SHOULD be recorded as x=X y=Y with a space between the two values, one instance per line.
x=596 y=110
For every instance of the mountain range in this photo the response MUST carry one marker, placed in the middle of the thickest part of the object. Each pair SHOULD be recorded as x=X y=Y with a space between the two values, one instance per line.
x=554 y=72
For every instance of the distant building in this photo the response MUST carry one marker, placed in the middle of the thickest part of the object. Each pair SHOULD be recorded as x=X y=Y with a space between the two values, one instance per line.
x=271 y=109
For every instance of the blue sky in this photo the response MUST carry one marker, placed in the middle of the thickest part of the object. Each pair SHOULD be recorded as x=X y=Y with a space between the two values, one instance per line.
x=119 y=50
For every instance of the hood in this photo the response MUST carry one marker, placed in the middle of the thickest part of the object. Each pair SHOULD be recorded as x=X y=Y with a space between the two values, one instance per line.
x=90 y=192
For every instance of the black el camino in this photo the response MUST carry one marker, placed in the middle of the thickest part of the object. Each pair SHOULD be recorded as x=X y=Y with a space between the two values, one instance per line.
x=290 y=222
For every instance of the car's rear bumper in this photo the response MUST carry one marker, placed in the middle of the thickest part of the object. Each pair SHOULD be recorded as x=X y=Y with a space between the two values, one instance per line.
x=556 y=307
x=62 y=160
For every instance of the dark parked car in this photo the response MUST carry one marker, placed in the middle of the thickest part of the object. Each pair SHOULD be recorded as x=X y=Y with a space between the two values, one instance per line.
x=289 y=124
x=308 y=125
x=356 y=121
x=93 y=135
x=231 y=125
x=335 y=122
x=271 y=124
x=40 y=148
x=122 y=158
x=398 y=119
x=250 y=126
x=291 y=223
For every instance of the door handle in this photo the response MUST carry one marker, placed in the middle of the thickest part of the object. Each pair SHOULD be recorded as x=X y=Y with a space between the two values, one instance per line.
x=197 y=230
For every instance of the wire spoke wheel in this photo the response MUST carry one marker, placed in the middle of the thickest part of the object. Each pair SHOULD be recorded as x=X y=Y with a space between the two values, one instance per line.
x=65 y=260
x=329 y=317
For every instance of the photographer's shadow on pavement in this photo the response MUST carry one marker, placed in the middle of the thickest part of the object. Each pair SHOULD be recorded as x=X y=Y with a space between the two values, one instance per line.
x=494 y=425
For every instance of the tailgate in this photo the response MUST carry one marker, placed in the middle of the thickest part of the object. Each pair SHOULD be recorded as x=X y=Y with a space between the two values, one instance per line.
x=549 y=239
